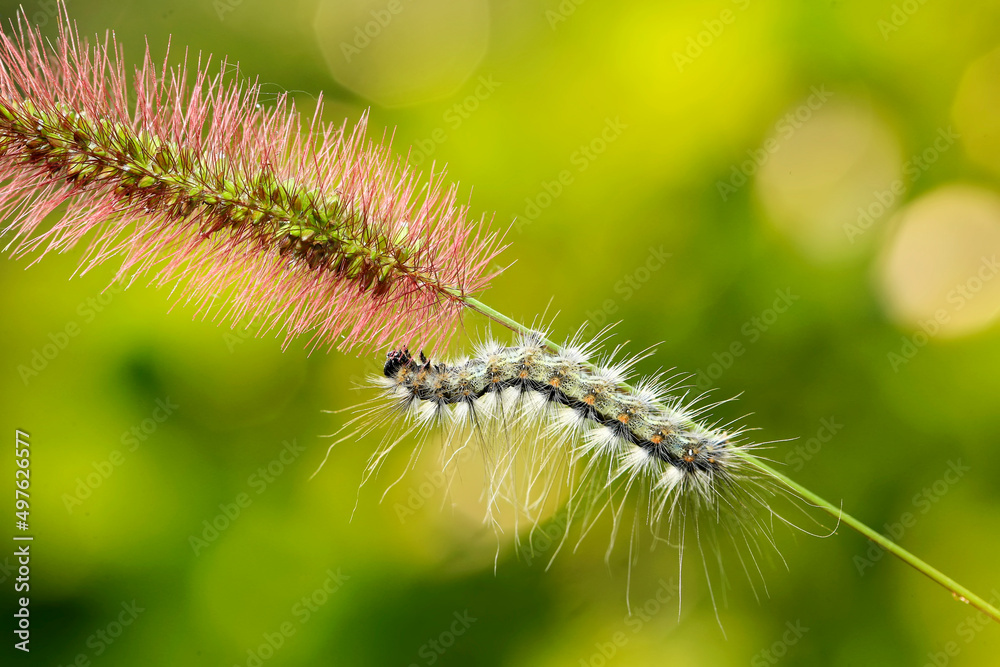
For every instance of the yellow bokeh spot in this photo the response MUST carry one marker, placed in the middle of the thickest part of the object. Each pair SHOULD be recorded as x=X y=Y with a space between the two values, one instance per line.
x=975 y=110
x=826 y=166
x=402 y=52
x=938 y=272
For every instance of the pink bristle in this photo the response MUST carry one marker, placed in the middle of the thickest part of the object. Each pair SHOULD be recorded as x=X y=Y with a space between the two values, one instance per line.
x=407 y=251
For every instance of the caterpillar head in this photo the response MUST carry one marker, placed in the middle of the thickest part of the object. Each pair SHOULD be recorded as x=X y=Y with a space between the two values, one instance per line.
x=397 y=359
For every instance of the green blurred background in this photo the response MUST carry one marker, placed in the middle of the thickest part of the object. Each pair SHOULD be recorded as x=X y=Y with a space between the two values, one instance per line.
x=842 y=157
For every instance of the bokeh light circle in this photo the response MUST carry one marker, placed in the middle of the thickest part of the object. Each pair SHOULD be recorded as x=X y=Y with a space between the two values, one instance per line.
x=975 y=110
x=833 y=174
x=402 y=52
x=939 y=271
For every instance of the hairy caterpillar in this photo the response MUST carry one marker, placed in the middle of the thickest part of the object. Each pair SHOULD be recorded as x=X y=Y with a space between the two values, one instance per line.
x=553 y=428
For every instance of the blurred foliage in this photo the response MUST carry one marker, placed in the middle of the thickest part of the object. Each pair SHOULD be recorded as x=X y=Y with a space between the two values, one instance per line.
x=685 y=93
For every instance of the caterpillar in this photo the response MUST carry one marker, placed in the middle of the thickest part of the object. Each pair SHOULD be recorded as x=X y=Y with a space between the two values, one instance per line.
x=554 y=428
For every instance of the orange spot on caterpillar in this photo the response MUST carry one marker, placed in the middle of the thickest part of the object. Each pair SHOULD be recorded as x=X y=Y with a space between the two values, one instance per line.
x=523 y=374
x=589 y=399
x=623 y=418
x=555 y=382
x=656 y=439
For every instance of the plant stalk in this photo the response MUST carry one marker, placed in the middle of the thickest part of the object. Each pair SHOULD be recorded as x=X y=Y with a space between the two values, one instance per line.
x=959 y=592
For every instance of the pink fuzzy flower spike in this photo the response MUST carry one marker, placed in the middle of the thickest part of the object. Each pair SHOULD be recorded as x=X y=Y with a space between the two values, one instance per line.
x=305 y=229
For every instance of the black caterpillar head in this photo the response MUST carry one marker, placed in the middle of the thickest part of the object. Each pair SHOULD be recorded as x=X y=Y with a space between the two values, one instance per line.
x=397 y=359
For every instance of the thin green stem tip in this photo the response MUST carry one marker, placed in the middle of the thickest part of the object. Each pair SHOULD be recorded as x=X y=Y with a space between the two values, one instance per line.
x=959 y=592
